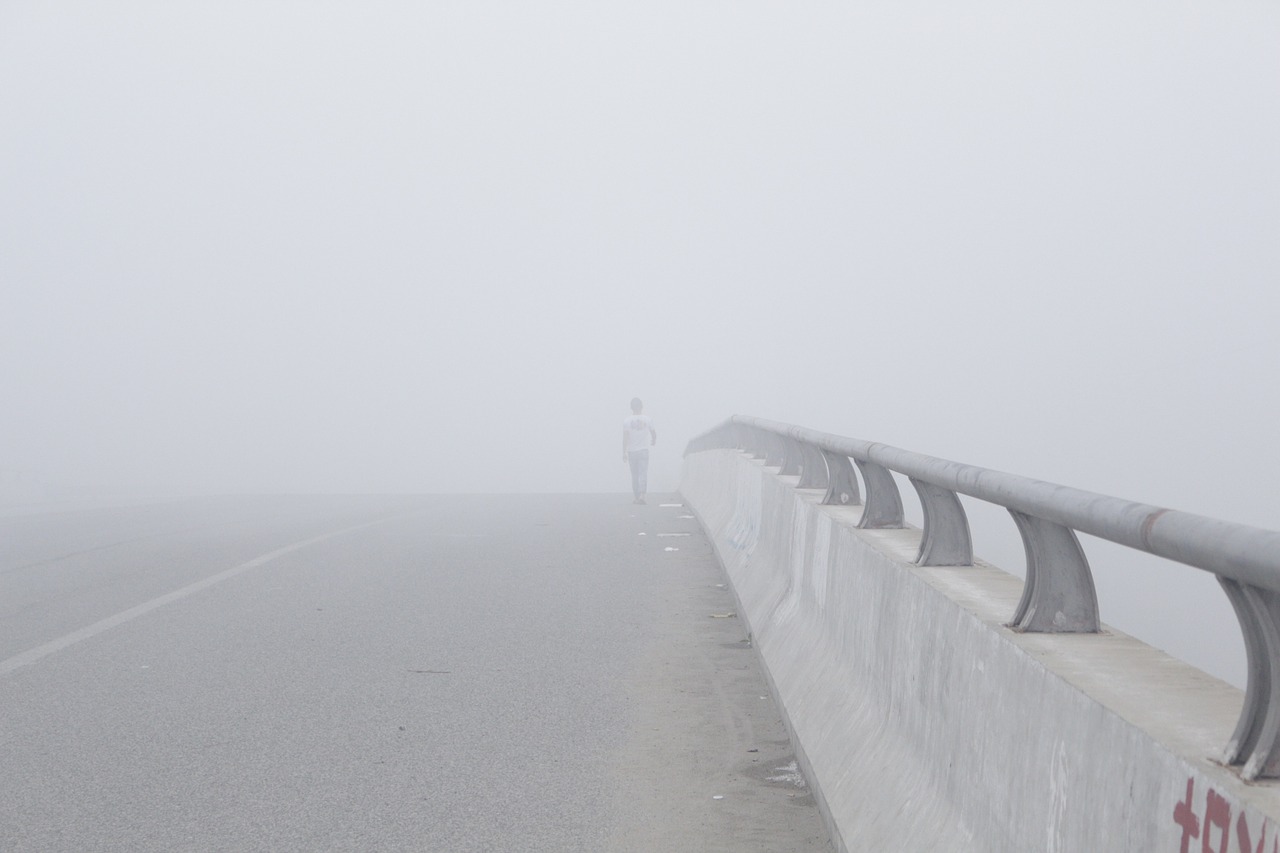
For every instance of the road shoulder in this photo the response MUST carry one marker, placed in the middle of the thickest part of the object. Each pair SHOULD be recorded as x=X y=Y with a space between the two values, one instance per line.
x=707 y=764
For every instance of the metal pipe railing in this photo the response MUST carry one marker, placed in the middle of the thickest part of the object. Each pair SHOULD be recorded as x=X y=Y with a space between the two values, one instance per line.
x=1058 y=593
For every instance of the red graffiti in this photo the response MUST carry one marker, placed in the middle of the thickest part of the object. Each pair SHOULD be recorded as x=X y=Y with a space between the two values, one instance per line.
x=1217 y=812
x=1184 y=815
x=1217 y=816
x=1245 y=840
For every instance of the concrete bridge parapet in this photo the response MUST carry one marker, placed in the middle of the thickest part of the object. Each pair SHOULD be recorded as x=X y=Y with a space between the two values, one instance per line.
x=924 y=722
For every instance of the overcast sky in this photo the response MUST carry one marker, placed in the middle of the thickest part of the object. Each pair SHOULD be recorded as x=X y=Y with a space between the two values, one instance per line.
x=324 y=246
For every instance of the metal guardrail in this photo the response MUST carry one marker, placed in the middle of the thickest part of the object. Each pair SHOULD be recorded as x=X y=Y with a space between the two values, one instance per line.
x=1058 y=594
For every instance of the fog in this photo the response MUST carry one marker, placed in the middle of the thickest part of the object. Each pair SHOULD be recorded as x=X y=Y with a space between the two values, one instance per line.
x=403 y=247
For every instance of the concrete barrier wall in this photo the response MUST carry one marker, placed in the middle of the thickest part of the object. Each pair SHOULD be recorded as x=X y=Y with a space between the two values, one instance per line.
x=924 y=724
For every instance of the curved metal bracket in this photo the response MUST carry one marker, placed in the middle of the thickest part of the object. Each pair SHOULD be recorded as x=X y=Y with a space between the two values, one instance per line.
x=813 y=472
x=774 y=450
x=884 y=503
x=1058 y=596
x=946 y=540
x=842 y=485
x=792 y=456
x=1256 y=741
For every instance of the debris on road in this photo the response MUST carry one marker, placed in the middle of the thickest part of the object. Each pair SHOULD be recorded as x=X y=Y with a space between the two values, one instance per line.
x=790 y=775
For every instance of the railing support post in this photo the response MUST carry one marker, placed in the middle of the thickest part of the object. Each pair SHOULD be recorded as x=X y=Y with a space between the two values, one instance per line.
x=842 y=485
x=1256 y=741
x=884 y=504
x=946 y=540
x=1058 y=596
x=813 y=474
x=774 y=450
x=791 y=456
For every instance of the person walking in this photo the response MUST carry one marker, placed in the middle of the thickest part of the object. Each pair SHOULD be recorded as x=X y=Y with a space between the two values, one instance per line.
x=638 y=435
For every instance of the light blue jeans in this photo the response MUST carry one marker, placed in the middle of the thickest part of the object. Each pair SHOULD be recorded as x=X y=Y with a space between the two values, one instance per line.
x=639 y=460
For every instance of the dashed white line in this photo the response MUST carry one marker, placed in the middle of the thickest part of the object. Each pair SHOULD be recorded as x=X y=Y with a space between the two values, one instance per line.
x=30 y=656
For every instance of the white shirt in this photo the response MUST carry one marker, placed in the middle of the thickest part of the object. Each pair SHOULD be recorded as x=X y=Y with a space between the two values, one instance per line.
x=639 y=430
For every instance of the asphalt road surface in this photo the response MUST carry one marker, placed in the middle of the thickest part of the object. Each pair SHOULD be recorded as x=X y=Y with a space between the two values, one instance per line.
x=461 y=673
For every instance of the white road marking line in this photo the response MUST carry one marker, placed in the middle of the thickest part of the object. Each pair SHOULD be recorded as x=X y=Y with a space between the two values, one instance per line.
x=32 y=655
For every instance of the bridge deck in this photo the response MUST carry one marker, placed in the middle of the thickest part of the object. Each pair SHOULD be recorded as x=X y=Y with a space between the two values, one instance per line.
x=452 y=674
